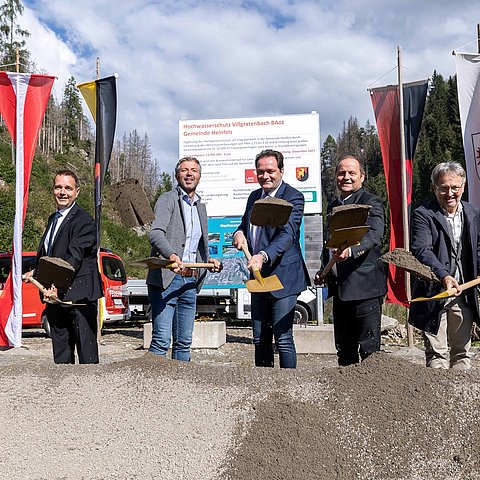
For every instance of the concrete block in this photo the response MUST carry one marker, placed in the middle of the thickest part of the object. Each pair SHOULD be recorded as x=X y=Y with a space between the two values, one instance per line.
x=209 y=334
x=147 y=335
x=314 y=339
x=205 y=334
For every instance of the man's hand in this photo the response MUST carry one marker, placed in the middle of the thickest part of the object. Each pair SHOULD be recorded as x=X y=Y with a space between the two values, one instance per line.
x=51 y=293
x=256 y=262
x=218 y=266
x=238 y=240
x=341 y=255
x=318 y=279
x=175 y=258
x=450 y=282
x=27 y=276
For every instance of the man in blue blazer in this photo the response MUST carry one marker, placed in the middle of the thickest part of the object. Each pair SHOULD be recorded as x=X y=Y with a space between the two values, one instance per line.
x=71 y=236
x=446 y=236
x=275 y=251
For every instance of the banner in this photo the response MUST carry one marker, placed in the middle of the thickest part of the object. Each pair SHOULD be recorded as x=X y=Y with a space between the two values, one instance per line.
x=23 y=100
x=101 y=98
x=385 y=101
x=468 y=86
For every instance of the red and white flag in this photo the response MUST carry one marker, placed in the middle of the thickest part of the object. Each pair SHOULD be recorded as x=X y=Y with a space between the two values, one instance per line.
x=23 y=100
x=386 y=106
x=468 y=85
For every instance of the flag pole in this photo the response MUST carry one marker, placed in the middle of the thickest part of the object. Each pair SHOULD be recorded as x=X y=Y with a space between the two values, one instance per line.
x=403 y=170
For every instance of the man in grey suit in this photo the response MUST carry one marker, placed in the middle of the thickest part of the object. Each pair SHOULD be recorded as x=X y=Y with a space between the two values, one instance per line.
x=179 y=233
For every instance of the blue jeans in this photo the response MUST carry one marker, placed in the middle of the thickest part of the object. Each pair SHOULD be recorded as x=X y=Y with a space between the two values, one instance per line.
x=173 y=315
x=273 y=318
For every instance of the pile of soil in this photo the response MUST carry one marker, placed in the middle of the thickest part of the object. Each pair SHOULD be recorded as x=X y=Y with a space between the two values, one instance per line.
x=137 y=415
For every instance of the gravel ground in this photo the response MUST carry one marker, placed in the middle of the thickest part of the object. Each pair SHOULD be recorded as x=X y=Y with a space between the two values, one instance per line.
x=138 y=416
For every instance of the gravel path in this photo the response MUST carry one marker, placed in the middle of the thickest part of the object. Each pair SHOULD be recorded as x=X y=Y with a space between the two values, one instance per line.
x=138 y=416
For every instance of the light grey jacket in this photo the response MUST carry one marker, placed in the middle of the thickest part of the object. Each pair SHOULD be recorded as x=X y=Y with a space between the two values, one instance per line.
x=168 y=236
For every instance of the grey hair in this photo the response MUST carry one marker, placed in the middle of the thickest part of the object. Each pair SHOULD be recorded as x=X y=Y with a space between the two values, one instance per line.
x=447 y=168
x=187 y=159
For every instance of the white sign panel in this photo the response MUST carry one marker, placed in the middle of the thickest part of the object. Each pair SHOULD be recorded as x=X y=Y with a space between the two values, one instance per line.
x=226 y=149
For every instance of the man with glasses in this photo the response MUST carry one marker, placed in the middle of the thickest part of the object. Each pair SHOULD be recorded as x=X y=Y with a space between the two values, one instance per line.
x=446 y=236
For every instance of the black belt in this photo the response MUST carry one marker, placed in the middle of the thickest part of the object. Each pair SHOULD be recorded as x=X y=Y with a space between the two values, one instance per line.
x=188 y=272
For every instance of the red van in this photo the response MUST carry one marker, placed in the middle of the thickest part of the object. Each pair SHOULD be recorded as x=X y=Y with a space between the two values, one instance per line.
x=113 y=307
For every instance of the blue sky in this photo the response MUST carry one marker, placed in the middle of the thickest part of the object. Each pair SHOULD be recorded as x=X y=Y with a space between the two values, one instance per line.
x=198 y=59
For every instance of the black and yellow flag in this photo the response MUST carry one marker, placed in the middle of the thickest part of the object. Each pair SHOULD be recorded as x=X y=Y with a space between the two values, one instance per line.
x=101 y=98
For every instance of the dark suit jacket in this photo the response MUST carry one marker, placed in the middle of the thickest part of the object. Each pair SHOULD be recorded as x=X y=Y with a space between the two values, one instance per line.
x=76 y=243
x=281 y=244
x=362 y=276
x=431 y=245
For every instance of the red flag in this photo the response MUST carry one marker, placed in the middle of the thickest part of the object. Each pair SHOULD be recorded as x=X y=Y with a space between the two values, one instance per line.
x=386 y=106
x=23 y=100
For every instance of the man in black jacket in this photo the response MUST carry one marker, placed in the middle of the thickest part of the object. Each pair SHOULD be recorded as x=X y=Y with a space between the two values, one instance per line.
x=357 y=281
x=70 y=235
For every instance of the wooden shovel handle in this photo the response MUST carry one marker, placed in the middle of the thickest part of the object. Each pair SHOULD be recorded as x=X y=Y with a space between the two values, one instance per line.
x=464 y=286
x=191 y=265
x=255 y=271
x=327 y=268
x=52 y=299
x=330 y=264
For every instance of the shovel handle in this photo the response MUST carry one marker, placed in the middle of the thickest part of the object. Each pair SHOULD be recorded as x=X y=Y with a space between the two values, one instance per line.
x=330 y=264
x=52 y=299
x=327 y=268
x=255 y=271
x=35 y=282
x=191 y=265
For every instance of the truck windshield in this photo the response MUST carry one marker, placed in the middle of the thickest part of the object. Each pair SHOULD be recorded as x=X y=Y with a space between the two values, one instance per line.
x=113 y=269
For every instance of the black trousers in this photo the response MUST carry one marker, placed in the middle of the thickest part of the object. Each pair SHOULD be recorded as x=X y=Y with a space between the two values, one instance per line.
x=356 y=328
x=73 y=327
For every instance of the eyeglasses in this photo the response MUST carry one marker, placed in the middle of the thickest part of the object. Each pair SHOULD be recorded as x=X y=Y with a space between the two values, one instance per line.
x=446 y=190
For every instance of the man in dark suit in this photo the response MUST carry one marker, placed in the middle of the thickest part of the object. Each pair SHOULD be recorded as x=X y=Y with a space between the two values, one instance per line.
x=446 y=237
x=275 y=251
x=358 y=281
x=70 y=235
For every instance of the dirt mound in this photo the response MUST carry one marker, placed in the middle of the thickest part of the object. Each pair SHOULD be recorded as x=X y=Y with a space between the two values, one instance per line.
x=385 y=418
x=137 y=415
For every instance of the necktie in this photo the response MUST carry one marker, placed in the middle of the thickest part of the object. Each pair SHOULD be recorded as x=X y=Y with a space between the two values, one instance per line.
x=258 y=231
x=52 y=232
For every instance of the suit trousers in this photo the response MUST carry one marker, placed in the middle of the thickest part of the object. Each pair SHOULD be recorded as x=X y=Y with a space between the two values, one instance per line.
x=73 y=327
x=356 y=328
x=455 y=329
x=273 y=318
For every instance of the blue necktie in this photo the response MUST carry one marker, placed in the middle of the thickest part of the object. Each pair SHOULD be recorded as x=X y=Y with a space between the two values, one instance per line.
x=52 y=232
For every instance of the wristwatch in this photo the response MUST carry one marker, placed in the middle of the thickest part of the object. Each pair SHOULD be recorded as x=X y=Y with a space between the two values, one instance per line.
x=264 y=256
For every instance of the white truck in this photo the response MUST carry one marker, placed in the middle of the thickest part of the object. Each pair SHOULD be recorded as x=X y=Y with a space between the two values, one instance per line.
x=233 y=303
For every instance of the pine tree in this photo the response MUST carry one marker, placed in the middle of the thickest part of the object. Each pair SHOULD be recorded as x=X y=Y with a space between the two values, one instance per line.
x=73 y=111
x=12 y=37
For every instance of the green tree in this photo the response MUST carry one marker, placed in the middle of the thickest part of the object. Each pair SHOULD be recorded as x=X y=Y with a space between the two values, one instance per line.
x=440 y=137
x=328 y=156
x=165 y=185
x=12 y=37
x=72 y=109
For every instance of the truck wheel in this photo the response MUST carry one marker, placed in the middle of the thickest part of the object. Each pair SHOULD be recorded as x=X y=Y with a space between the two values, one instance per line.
x=301 y=315
x=46 y=326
